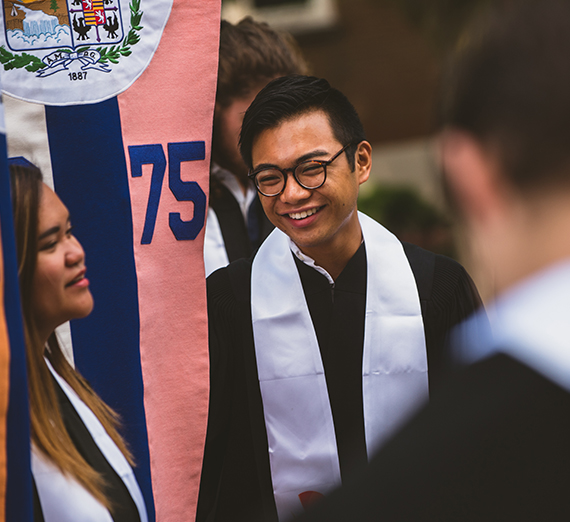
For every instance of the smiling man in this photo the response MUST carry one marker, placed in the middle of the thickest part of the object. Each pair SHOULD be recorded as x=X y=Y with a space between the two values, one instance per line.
x=327 y=340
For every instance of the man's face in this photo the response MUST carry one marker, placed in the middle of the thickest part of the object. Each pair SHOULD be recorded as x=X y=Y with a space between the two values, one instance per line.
x=323 y=221
x=227 y=126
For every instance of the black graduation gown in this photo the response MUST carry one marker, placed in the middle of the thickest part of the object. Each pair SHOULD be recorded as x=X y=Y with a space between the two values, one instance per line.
x=492 y=445
x=236 y=480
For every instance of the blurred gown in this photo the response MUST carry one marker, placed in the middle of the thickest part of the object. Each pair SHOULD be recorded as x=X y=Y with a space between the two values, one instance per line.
x=493 y=443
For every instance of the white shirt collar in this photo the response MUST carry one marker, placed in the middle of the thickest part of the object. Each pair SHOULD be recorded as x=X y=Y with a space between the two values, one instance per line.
x=232 y=184
x=530 y=322
x=309 y=261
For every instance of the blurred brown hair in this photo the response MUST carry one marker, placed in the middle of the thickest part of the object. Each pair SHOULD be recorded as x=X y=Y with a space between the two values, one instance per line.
x=508 y=85
x=251 y=54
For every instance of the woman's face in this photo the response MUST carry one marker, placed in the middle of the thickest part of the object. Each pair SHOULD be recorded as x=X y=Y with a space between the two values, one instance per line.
x=60 y=290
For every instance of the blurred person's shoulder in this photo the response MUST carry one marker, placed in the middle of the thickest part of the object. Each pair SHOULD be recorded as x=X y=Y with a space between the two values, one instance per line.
x=440 y=278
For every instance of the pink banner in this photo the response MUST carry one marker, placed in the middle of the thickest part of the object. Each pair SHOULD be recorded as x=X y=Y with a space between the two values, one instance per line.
x=118 y=116
x=172 y=103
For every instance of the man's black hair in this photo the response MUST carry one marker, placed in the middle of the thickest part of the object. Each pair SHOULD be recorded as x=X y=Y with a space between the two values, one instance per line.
x=508 y=85
x=291 y=96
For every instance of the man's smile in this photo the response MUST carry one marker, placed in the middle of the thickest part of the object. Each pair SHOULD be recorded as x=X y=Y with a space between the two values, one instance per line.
x=304 y=213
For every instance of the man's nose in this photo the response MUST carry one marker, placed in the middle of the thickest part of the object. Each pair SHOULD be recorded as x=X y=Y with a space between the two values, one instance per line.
x=293 y=192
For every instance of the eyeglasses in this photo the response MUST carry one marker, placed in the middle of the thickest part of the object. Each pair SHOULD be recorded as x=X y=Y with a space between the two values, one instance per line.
x=310 y=174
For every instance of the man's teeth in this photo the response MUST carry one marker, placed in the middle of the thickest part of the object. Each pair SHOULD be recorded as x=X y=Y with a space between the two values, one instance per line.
x=304 y=214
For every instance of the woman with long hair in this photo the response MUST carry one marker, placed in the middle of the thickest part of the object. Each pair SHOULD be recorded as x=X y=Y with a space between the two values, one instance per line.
x=80 y=464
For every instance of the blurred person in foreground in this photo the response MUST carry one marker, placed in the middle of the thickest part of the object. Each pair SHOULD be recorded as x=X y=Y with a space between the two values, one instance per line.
x=324 y=342
x=251 y=54
x=494 y=443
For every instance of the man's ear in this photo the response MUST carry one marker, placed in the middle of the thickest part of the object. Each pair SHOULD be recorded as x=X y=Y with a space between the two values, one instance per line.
x=363 y=161
x=472 y=176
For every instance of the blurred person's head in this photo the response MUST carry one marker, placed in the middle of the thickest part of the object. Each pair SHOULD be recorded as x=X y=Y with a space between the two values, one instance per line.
x=251 y=54
x=505 y=114
x=305 y=147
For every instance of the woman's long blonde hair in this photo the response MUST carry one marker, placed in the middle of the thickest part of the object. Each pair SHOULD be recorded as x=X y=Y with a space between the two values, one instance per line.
x=48 y=431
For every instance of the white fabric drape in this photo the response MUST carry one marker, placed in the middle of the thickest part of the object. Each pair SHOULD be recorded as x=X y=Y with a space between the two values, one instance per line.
x=62 y=498
x=302 y=444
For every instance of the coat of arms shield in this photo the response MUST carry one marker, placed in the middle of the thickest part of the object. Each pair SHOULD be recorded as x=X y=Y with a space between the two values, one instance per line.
x=63 y=52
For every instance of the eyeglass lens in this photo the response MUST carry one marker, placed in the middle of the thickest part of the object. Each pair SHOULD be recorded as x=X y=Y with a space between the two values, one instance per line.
x=310 y=174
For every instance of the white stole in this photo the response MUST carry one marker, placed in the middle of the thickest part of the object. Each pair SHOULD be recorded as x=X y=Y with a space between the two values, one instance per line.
x=215 y=255
x=62 y=498
x=298 y=418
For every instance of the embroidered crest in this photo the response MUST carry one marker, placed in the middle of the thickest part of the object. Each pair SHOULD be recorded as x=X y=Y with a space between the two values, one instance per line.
x=43 y=25
x=75 y=40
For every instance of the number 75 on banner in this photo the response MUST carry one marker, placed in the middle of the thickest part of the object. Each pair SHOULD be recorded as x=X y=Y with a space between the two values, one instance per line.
x=183 y=190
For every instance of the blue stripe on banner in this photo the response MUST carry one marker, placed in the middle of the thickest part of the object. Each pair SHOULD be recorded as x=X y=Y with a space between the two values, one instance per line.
x=19 y=506
x=90 y=176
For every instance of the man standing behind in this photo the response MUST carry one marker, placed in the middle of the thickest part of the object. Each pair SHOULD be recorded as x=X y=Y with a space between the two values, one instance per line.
x=328 y=339
x=251 y=54
x=494 y=443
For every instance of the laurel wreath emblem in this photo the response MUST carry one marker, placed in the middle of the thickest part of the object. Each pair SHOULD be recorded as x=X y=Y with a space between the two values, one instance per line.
x=108 y=54
x=114 y=52
x=18 y=61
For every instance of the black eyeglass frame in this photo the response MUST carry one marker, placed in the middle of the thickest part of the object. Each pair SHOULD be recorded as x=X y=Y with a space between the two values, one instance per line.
x=324 y=163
